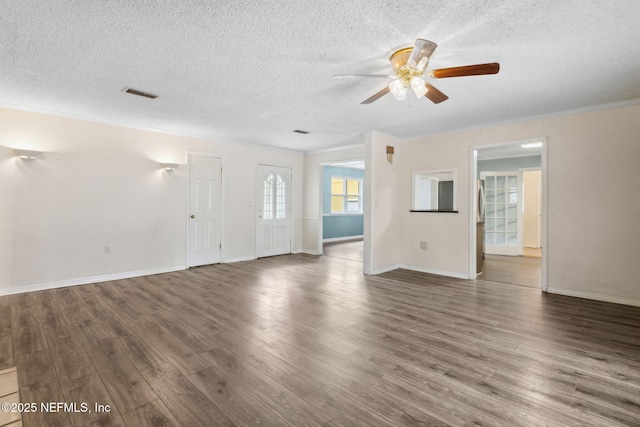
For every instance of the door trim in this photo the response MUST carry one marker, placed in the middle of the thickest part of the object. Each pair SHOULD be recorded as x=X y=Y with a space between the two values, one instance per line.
x=188 y=200
x=473 y=167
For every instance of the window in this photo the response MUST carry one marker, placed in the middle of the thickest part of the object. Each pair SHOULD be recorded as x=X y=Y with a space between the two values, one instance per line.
x=346 y=195
x=275 y=197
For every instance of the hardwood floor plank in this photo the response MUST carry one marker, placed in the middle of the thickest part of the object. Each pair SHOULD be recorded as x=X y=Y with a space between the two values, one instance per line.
x=173 y=349
x=187 y=404
x=42 y=393
x=303 y=340
x=124 y=383
x=69 y=358
x=36 y=368
x=152 y=414
x=276 y=368
x=240 y=406
x=270 y=393
x=91 y=390
x=344 y=410
x=5 y=316
x=29 y=339
x=141 y=353
x=6 y=351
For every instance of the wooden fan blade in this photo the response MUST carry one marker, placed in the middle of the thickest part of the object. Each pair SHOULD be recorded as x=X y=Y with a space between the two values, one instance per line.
x=377 y=96
x=435 y=95
x=353 y=76
x=467 y=70
x=421 y=49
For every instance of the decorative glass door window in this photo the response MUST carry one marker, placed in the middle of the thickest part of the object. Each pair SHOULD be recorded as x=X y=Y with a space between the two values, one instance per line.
x=503 y=212
x=275 y=197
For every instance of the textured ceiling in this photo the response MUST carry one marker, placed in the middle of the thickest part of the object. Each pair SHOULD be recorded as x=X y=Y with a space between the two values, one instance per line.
x=252 y=72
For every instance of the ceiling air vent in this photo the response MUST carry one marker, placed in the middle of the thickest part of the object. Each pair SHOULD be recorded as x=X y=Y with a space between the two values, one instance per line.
x=304 y=132
x=139 y=93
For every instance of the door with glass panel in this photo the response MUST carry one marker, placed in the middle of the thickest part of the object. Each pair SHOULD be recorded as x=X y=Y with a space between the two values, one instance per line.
x=273 y=227
x=503 y=213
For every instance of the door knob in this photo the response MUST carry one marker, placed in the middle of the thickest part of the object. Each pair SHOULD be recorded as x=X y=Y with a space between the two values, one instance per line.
x=193 y=216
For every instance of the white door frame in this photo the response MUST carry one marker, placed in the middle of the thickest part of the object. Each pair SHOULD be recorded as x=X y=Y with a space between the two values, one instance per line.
x=473 y=168
x=188 y=201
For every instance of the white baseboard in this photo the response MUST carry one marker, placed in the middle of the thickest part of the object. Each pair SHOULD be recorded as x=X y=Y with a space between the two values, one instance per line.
x=308 y=252
x=89 y=280
x=341 y=239
x=594 y=296
x=385 y=269
x=435 y=271
x=239 y=259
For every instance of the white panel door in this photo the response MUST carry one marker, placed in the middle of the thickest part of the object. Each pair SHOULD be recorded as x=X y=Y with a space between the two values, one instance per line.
x=503 y=213
x=205 y=188
x=273 y=226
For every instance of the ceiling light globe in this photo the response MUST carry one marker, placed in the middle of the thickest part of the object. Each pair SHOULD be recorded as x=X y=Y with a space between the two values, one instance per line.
x=419 y=86
x=398 y=89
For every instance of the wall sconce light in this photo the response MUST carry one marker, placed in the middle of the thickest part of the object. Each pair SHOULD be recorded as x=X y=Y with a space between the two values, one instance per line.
x=169 y=166
x=27 y=154
x=389 y=154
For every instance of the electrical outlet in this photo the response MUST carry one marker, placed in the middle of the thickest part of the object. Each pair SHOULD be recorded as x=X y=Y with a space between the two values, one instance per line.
x=423 y=244
x=107 y=249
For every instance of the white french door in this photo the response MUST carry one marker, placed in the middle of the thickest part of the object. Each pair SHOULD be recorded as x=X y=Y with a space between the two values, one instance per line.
x=205 y=196
x=273 y=226
x=503 y=213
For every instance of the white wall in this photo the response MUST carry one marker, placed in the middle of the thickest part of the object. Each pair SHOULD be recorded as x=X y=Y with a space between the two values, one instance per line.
x=381 y=210
x=593 y=223
x=100 y=184
x=312 y=218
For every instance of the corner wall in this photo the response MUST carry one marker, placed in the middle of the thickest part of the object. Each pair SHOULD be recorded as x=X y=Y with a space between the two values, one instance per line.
x=382 y=218
x=101 y=184
x=593 y=204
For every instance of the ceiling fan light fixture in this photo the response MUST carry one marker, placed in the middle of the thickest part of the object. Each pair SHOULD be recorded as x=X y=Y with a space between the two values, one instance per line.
x=419 y=86
x=398 y=89
x=422 y=63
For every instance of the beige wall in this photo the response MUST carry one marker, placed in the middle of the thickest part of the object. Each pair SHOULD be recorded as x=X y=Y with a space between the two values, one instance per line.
x=593 y=224
x=100 y=184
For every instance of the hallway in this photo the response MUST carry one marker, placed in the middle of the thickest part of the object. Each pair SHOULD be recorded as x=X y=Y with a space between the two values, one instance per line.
x=515 y=270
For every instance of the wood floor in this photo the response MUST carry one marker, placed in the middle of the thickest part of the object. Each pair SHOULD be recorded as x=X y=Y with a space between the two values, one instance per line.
x=515 y=270
x=350 y=249
x=309 y=341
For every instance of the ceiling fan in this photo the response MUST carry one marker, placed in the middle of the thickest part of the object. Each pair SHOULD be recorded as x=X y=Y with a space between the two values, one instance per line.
x=410 y=67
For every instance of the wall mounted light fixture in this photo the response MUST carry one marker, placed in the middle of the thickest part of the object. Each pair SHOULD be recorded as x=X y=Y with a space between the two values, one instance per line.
x=27 y=154
x=169 y=166
x=390 y=151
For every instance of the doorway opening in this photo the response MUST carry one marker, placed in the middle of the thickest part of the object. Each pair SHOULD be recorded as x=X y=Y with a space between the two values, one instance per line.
x=508 y=220
x=341 y=231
